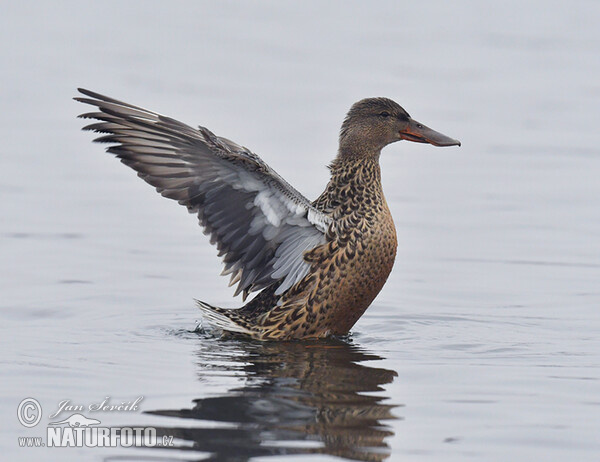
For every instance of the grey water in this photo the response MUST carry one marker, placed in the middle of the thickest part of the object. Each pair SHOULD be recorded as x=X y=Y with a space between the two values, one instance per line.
x=484 y=343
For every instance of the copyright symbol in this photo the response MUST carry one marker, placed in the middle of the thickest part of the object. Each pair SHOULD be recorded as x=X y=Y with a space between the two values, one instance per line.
x=29 y=412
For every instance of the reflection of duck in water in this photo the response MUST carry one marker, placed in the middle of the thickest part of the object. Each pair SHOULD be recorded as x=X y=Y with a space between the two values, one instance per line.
x=300 y=398
x=319 y=264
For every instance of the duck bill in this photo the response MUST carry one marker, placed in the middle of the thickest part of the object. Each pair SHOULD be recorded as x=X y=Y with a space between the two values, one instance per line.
x=419 y=133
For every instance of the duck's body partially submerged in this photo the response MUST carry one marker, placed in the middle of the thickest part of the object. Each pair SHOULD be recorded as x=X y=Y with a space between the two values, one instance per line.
x=318 y=266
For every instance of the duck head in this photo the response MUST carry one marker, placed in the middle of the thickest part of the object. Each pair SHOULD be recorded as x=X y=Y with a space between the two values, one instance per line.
x=373 y=123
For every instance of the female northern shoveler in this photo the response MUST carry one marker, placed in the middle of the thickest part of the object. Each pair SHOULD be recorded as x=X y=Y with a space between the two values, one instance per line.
x=319 y=265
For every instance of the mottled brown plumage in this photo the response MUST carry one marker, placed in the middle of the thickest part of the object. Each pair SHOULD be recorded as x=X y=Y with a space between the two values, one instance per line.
x=319 y=265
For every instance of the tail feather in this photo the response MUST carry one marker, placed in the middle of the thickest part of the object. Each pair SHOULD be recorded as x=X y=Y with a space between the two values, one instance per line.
x=221 y=318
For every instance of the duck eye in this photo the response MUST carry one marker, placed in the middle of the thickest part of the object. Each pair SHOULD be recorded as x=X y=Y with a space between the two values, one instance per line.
x=384 y=114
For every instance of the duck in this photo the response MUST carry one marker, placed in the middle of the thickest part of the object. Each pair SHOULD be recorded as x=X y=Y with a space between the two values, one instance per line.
x=314 y=267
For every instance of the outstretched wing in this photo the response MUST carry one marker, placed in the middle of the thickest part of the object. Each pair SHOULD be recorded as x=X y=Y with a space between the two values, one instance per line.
x=261 y=225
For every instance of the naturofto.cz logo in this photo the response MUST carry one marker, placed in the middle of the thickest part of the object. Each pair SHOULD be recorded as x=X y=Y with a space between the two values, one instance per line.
x=75 y=429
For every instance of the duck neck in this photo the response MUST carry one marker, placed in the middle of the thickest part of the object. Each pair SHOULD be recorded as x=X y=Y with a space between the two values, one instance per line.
x=354 y=168
x=355 y=184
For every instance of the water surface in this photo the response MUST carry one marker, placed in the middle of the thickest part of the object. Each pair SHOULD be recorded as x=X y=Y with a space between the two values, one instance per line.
x=483 y=344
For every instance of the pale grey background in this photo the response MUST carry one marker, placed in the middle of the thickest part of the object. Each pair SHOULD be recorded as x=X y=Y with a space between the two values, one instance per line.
x=490 y=316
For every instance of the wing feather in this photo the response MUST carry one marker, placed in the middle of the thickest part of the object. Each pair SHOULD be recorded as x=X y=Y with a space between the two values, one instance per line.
x=260 y=224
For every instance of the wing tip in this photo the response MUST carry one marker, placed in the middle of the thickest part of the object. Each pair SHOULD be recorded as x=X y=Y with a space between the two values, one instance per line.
x=90 y=93
x=86 y=93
